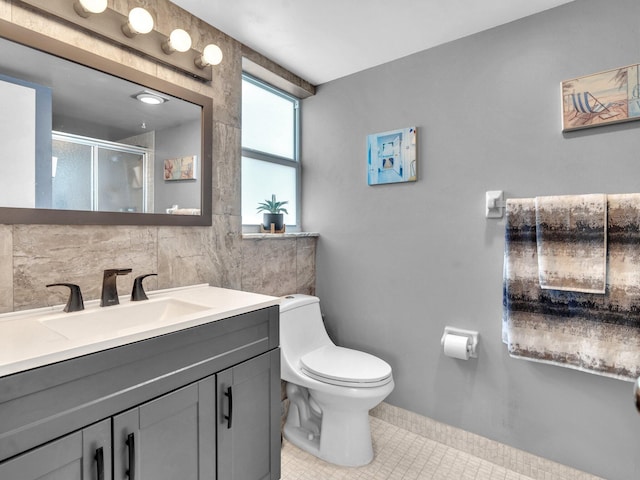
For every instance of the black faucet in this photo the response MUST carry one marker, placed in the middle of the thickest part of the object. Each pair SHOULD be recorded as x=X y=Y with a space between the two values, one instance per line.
x=109 y=294
x=75 y=302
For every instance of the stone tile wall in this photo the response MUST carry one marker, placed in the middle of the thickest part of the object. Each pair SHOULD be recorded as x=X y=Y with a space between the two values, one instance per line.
x=32 y=256
x=279 y=264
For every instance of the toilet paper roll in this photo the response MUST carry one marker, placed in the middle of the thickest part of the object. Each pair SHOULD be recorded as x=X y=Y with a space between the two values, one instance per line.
x=455 y=346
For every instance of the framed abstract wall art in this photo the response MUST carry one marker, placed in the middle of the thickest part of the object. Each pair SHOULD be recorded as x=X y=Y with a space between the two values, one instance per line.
x=391 y=157
x=183 y=168
x=601 y=99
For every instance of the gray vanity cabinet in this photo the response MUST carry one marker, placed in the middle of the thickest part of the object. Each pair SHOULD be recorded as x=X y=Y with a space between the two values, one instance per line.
x=83 y=455
x=248 y=421
x=172 y=437
x=199 y=404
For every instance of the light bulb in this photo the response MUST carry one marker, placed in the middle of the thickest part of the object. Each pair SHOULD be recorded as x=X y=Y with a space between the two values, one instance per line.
x=84 y=8
x=211 y=55
x=178 y=41
x=150 y=98
x=140 y=21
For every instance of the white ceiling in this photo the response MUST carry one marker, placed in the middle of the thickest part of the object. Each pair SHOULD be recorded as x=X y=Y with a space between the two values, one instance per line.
x=321 y=40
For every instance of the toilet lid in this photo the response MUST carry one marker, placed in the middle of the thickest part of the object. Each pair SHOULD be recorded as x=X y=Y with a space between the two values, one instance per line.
x=346 y=367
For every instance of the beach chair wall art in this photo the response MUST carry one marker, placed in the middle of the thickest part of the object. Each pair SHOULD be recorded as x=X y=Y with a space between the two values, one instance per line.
x=601 y=98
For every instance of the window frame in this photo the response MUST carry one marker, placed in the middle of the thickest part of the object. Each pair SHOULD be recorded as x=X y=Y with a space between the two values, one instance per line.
x=277 y=159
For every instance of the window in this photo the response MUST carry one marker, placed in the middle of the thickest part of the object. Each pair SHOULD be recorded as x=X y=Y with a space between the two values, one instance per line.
x=270 y=164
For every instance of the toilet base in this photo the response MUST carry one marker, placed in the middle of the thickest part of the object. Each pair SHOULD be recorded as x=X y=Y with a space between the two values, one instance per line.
x=336 y=436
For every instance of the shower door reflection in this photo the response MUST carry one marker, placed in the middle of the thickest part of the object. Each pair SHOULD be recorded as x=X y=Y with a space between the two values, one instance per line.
x=88 y=174
x=71 y=174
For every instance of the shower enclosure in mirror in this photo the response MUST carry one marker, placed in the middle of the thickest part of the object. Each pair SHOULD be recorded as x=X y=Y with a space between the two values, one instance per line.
x=88 y=174
x=78 y=145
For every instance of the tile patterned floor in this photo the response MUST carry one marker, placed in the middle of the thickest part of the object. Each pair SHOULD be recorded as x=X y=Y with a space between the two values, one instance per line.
x=399 y=455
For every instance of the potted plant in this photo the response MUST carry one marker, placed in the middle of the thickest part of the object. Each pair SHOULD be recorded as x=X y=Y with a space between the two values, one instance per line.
x=273 y=214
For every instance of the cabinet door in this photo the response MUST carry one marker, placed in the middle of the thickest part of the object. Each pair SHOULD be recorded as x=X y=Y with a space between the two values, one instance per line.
x=249 y=419
x=170 y=438
x=84 y=455
x=96 y=451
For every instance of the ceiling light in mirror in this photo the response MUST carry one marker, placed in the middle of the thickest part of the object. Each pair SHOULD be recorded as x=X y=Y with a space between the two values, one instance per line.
x=140 y=22
x=84 y=8
x=211 y=55
x=178 y=41
x=150 y=98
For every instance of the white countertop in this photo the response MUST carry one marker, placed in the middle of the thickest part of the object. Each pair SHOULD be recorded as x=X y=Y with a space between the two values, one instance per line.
x=26 y=342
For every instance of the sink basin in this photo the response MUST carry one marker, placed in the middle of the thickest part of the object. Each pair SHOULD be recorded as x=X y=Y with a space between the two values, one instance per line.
x=121 y=319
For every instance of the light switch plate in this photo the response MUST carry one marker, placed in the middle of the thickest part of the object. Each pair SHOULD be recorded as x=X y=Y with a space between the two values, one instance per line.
x=494 y=204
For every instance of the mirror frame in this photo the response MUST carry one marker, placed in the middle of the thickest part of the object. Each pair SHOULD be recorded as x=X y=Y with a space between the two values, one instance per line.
x=51 y=46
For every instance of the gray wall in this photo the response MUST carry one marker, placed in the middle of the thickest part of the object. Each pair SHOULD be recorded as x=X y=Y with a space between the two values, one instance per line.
x=177 y=142
x=396 y=263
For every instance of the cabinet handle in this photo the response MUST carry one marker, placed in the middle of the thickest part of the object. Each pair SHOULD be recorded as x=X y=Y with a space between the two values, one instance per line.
x=229 y=395
x=131 y=444
x=99 y=458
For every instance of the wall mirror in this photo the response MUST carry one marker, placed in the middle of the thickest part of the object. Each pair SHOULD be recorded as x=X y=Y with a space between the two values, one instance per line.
x=84 y=140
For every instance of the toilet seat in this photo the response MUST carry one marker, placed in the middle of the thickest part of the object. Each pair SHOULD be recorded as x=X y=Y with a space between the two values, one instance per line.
x=345 y=367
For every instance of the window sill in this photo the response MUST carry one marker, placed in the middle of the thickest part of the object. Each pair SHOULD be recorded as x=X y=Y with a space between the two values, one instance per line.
x=278 y=236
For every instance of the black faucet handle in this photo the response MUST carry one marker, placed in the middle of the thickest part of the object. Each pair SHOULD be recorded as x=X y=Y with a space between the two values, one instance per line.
x=138 y=293
x=75 y=302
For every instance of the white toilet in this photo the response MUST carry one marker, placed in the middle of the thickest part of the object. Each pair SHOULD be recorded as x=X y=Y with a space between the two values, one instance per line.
x=331 y=389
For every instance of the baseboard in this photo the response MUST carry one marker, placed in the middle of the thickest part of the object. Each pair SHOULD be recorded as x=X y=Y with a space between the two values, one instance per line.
x=497 y=453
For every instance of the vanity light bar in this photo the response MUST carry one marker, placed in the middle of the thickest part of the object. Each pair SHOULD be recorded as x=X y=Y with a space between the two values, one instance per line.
x=138 y=22
x=135 y=31
x=177 y=41
x=85 y=8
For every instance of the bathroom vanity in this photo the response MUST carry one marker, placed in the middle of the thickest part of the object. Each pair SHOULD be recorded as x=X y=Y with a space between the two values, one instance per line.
x=192 y=395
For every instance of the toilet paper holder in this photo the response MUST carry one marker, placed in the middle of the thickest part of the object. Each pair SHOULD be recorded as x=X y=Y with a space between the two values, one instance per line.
x=472 y=342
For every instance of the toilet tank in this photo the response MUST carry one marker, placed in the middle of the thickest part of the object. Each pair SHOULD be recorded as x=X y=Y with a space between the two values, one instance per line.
x=301 y=326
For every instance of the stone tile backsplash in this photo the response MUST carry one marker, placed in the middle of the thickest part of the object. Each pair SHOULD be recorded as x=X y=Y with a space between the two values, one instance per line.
x=78 y=254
